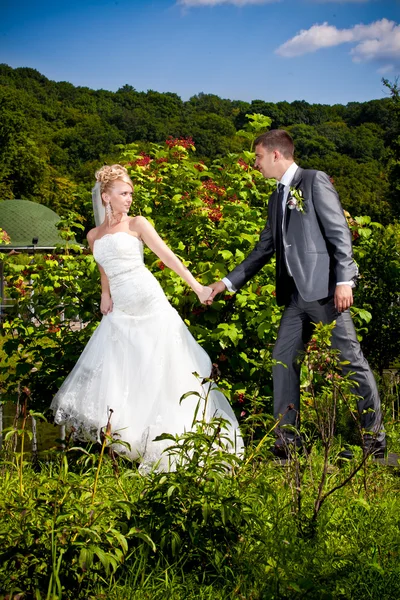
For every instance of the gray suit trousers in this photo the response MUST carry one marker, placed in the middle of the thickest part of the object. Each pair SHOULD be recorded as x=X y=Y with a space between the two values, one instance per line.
x=294 y=329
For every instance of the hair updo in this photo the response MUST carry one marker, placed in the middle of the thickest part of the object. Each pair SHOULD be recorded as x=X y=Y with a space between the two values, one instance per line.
x=110 y=173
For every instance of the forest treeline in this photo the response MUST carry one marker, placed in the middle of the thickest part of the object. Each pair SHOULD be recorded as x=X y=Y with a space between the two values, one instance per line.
x=53 y=135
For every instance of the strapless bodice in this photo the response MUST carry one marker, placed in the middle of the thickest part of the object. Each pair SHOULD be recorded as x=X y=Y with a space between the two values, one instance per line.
x=134 y=289
x=118 y=253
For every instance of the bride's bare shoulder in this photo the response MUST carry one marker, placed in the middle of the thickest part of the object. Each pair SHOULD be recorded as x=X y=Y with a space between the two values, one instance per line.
x=137 y=220
x=92 y=235
x=138 y=223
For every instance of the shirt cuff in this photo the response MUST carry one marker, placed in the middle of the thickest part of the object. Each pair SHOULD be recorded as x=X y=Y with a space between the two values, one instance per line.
x=229 y=285
x=351 y=283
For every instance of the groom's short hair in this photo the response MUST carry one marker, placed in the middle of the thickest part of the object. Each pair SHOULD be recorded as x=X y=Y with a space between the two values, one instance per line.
x=276 y=139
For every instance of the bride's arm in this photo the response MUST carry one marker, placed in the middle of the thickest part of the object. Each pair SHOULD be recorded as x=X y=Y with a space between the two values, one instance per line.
x=106 y=303
x=151 y=238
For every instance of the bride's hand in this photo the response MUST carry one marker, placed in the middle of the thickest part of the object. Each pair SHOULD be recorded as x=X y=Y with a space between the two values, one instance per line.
x=204 y=293
x=106 y=304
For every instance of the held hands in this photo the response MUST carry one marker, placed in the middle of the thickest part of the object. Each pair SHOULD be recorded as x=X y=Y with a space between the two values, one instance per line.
x=203 y=293
x=343 y=297
x=217 y=288
x=106 y=304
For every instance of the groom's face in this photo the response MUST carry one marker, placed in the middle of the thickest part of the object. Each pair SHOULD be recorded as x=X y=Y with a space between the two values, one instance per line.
x=266 y=161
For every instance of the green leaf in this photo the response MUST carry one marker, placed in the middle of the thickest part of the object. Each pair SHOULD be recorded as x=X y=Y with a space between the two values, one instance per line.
x=143 y=536
x=171 y=490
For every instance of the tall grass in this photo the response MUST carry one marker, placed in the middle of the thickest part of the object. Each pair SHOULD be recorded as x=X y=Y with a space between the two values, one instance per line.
x=82 y=525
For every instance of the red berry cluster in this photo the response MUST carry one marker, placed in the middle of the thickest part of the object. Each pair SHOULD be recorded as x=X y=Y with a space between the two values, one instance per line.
x=178 y=154
x=212 y=187
x=161 y=265
x=54 y=257
x=215 y=215
x=184 y=142
x=162 y=159
x=243 y=164
x=241 y=398
x=20 y=286
x=312 y=345
x=208 y=188
x=144 y=161
x=208 y=200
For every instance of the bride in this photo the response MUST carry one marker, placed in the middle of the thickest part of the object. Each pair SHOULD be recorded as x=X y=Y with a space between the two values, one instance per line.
x=142 y=358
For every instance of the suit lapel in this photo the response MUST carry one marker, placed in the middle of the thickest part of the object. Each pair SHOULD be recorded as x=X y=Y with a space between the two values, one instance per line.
x=298 y=176
x=296 y=182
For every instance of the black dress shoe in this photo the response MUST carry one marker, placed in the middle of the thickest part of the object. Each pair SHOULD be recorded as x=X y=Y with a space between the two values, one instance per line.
x=376 y=450
x=346 y=454
x=279 y=452
x=284 y=449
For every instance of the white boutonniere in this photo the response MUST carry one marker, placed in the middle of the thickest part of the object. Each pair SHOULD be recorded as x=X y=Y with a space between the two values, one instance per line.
x=295 y=200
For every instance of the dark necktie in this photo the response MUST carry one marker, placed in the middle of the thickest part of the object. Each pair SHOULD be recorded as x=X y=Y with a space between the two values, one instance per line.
x=279 y=217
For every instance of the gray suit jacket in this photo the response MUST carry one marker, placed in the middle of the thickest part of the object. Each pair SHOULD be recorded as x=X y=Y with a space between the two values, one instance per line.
x=317 y=242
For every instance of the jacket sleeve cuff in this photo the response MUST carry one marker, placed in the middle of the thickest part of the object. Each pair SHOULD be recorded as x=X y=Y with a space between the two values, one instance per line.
x=228 y=284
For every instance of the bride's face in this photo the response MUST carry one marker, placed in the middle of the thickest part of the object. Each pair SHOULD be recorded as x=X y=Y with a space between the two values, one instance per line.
x=119 y=196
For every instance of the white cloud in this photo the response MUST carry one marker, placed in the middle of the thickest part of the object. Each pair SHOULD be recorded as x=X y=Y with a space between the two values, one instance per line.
x=194 y=3
x=378 y=42
x=386 y=69
x=310 y=40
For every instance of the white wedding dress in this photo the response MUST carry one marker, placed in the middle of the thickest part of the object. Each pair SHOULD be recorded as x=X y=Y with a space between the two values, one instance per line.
x=139 y=363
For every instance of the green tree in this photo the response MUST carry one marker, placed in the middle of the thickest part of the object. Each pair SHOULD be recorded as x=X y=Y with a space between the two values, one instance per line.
x=377 y=251
x=362 y=187
x=308 y=142
x=393 y=140
x=23 y=163
x=88 y=140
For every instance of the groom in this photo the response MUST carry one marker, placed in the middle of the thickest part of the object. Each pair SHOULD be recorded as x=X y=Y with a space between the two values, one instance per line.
x=315 y=275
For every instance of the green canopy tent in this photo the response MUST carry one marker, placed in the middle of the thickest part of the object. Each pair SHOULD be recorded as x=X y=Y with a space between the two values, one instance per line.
x=31 y=227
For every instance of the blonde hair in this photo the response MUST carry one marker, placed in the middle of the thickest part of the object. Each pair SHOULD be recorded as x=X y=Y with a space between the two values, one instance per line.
x=108 y=174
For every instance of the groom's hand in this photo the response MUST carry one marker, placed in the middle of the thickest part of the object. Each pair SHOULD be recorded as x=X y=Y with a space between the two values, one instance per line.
x=217 y=288
x=343 y=297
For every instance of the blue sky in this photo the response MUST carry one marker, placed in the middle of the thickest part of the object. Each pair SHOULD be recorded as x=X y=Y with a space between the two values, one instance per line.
x=326 y=51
